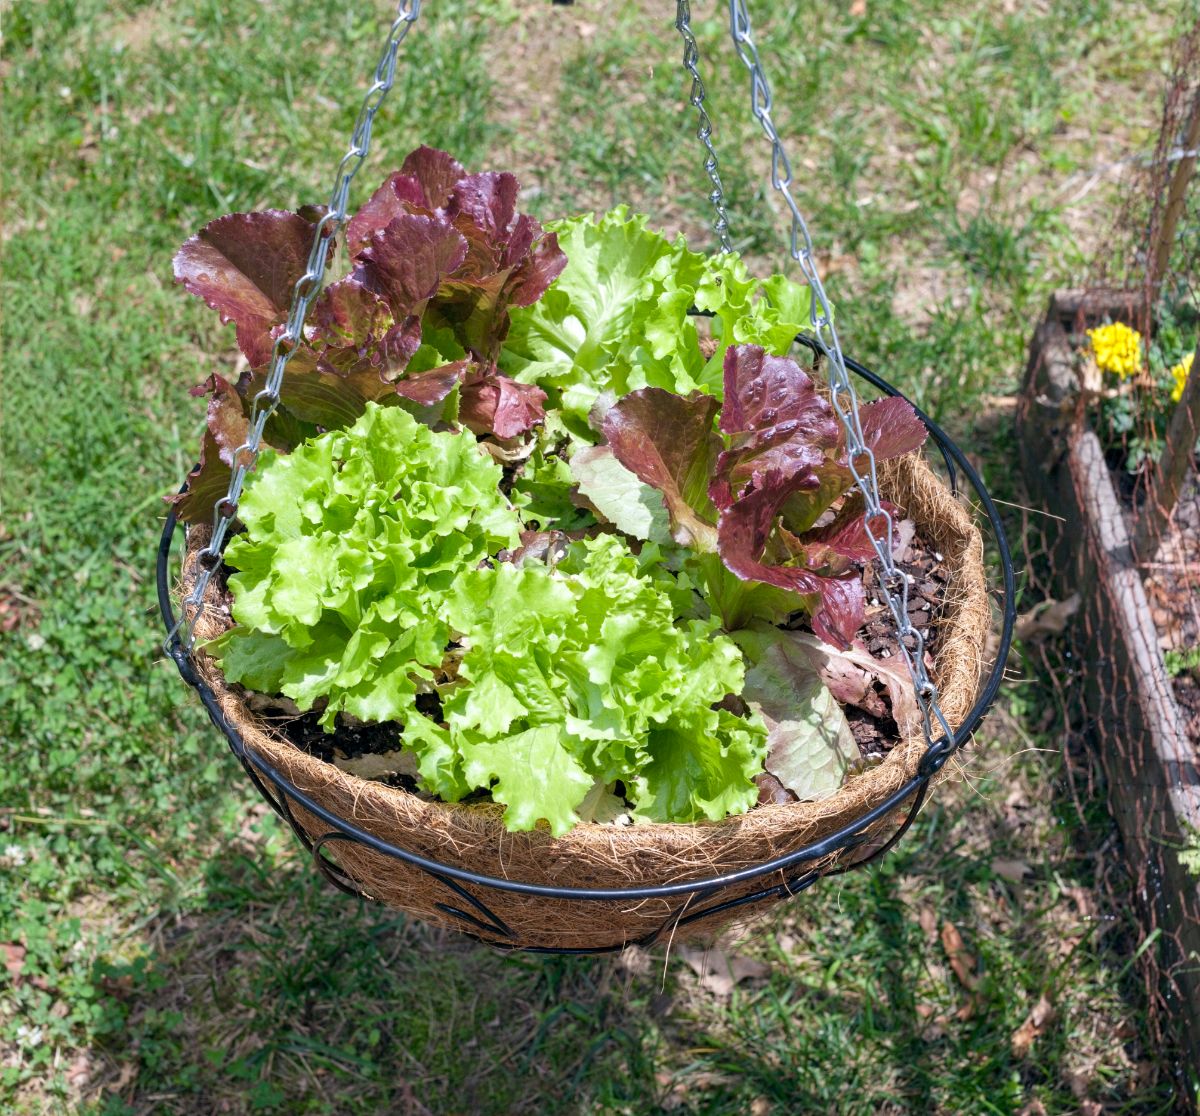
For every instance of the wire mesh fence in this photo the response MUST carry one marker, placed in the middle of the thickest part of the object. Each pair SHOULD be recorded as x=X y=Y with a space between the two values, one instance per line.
x=1109 y=422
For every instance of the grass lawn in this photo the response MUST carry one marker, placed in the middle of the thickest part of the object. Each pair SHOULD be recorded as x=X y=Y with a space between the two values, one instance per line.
x=168 y=948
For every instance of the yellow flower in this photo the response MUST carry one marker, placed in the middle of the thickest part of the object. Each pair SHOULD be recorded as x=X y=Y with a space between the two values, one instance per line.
x=1181 y=371
x=1118 y=349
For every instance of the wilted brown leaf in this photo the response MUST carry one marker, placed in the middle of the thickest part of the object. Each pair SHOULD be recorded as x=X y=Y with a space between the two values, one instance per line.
x=1015 y=870
x=961 y=960
x=720 y=972
x=933 y=1025
x=928 y=923
x=1037 y=1021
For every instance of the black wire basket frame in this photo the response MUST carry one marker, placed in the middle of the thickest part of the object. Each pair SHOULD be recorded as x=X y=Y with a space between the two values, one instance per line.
x=698 y=898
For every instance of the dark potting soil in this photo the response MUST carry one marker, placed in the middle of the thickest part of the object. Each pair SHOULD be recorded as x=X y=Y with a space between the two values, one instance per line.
x=925 y=569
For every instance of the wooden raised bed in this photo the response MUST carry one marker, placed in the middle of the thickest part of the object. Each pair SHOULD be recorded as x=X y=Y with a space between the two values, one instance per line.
x=1151 y=767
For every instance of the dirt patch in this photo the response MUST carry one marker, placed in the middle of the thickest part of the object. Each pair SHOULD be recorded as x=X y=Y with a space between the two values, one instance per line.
x=143 y=29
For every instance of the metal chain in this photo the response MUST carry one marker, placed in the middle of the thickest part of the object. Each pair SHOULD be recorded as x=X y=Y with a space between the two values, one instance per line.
x=877 y=521
x=286 y=344
x=691 y=56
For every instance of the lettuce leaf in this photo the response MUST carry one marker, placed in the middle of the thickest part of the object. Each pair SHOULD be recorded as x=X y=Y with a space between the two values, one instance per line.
x=438 y=257
x=781 y=465
x=351 y=540
x=367 y=578
x=591 y=646
x=618 y=317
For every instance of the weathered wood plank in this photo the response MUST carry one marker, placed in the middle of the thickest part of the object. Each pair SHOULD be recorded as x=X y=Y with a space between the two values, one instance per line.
x=1151 y=768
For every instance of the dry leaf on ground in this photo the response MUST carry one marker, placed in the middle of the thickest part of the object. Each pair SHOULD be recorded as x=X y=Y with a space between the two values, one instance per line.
x=720 y=972
x=1015 y=870
x=1037 y=1021
x=961 y=960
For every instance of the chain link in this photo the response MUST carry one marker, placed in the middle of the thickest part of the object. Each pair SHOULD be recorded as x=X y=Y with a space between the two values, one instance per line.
x=691 y=58
x=877 y=521
x=304 y=291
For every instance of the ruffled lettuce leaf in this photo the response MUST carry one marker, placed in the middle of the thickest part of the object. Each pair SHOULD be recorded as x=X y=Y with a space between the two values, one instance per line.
x=350 y=542
x=619 y=317
x=367 y=580
x=244 y=266
x=592 y=647
x=780 y=465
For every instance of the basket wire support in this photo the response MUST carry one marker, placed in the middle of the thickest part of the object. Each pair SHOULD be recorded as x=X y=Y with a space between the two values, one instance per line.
x=796 y=868
x=799 y=869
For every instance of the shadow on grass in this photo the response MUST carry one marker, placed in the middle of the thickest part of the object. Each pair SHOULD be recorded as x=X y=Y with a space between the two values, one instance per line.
x=278 y=993
x=274 y=993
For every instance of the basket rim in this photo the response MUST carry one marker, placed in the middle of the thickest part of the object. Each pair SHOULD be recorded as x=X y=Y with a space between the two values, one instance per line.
x=849 y=835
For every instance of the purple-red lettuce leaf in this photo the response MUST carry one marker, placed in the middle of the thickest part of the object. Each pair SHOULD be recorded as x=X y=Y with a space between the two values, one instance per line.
x=399 y=194
x=245 y=266
x=492 y=403
x=743 y=532
x=667 y=441
x=787 y=459
x=890 y=428
x=836 y=547
x=206 y=483
x=407 y=261
x=348 y=314
x=506 y=258
x=431 y=387
x=435 y=171
x=433 y=251
x=776 y=419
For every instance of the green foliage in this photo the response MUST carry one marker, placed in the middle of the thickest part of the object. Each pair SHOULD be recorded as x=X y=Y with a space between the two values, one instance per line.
x=362 y=568
x=581 y=674
x=1181 y=660
x=617 y=319
x=350 y=543
x=1189 y=854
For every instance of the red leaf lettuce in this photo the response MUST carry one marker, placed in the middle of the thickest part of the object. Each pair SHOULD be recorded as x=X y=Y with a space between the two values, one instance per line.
x=755 y=497
x=437 y=258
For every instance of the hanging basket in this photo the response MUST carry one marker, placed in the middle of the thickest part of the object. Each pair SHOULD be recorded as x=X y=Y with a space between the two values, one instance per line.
x=605 y=887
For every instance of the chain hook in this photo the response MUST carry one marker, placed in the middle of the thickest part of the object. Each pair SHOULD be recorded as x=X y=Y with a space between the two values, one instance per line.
x=305 y=289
